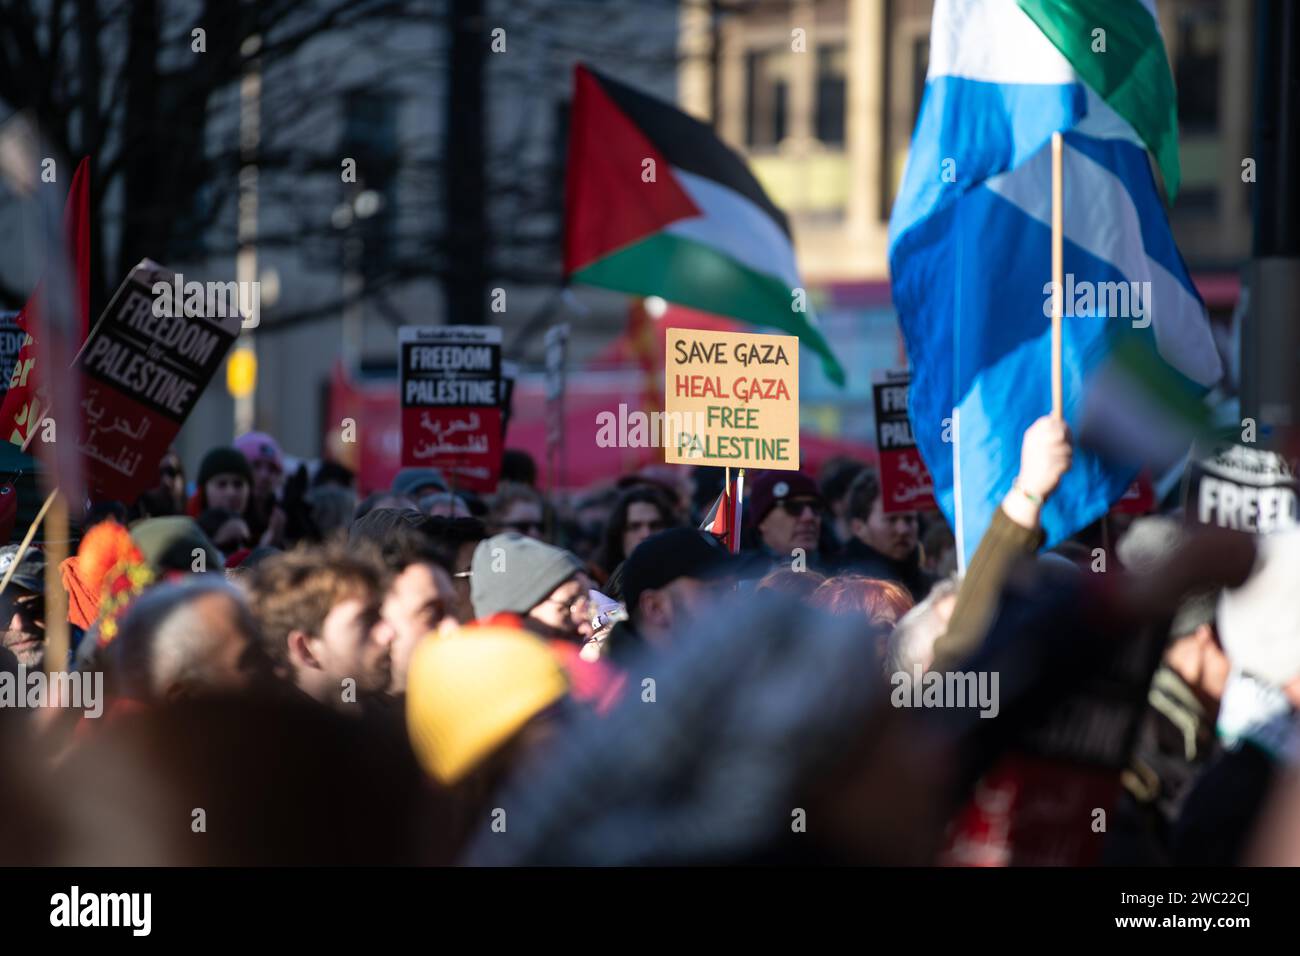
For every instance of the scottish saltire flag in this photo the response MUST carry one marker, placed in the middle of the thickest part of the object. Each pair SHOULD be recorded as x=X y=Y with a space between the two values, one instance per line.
x=970 y=240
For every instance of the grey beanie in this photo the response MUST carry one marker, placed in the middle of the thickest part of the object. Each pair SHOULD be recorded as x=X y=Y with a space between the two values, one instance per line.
x=514 y=574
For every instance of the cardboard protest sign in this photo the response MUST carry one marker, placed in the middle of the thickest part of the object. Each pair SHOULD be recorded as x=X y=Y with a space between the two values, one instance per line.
x=905 y=483
x=731 y=399
x=1247 y=489
x=451 y=402
x=143 y=368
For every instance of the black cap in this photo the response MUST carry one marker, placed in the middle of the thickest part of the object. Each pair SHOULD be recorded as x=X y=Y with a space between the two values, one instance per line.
x=30 y=573
x=662 y=558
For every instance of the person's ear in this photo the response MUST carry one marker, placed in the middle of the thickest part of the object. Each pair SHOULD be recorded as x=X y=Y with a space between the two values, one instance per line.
x=858 y=527
x=300 y=651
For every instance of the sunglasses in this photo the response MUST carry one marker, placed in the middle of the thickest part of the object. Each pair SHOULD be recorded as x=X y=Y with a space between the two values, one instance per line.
x=795 y=506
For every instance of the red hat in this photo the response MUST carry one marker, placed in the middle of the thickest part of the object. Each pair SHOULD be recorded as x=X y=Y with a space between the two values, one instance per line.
x=772 y=487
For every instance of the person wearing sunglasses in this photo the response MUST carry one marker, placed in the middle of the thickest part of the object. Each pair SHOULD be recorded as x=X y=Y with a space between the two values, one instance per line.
x=22 y=606
x=517 y=508
x=786 y=509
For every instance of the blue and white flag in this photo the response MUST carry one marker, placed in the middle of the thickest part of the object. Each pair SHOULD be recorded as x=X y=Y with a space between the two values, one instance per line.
x=970 y=258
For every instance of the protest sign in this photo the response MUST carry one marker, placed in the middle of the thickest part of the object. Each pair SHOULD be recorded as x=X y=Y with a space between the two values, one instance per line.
x=1246 y=489
x=731 y=399
x=11 y=341
x=1139 y=497
x=451 y=402
x=143 y=368
x=905 y=483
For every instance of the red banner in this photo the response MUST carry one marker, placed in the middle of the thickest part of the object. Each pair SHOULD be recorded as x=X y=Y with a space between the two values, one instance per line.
x=143 y=368
x=905 y=483
x=451 y=403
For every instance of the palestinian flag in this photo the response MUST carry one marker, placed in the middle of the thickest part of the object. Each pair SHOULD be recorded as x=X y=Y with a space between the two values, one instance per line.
x=656 y=204
x=723 y=519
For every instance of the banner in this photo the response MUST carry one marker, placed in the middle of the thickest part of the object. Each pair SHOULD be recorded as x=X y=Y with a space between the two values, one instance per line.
x=905 y=483
x=143 y=368
x=731 y=399
x=1246 y=489
x=12 y=337
x=451 y=402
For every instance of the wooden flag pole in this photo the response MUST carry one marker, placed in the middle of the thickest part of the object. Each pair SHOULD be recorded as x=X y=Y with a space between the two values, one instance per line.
x=740 y=500
x=57 y=639
x=1058 y=267
x=27 y=540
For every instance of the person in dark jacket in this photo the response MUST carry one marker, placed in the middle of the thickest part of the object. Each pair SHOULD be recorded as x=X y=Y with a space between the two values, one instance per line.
x=883 y=546
x=785 y=510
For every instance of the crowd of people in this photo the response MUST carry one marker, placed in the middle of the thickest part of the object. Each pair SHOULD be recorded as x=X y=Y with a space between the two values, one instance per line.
x=293 y=673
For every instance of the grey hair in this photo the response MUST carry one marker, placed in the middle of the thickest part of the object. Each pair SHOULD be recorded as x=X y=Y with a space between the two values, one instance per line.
x=915 y=634
x=162 y=636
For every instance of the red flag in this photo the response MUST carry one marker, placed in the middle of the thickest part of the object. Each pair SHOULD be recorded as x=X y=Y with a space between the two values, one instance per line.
x=723 y=519
x=22 y=410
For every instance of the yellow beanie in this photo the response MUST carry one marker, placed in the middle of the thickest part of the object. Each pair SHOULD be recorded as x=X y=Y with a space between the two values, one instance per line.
x=468 y=693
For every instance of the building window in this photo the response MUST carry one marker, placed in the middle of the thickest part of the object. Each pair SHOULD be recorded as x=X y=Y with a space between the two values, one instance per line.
x=767 y=97
x=830 y=94
x=1196 y=71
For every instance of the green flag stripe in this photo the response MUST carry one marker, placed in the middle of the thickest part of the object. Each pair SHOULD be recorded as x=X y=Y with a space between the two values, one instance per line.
x=699 y=277
x=1132 y=75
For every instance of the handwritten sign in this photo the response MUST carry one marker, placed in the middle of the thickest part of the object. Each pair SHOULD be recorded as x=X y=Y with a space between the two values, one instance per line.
x=731 y=398
x=904 y=480
x=143 y=368
x=1247 y=489
x=451 y=402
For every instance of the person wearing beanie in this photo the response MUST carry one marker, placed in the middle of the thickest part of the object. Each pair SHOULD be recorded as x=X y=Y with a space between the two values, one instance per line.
x=266 y=462
x=175 y=543
x=785 y=508
x=471 y=692
x=414 y=482
x=480 y=702
x=545 y=590
x=225 y=481
x=544 y=585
